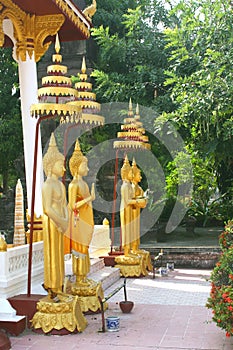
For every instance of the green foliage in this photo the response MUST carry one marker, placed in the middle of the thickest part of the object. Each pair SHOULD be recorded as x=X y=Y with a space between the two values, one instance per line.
x=110 y=13
x=131 y=62
x=201 y=80
x=10 y=119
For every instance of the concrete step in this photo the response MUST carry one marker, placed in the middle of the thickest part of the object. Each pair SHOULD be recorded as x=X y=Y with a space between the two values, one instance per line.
x=107 y=276
x=98 y=272
x=96 y=264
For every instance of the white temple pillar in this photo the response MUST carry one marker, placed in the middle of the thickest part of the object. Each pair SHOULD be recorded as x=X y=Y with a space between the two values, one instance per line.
x=28 y=95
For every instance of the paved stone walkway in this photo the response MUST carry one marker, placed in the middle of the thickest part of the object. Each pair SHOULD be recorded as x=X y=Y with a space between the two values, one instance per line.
x=169 y=314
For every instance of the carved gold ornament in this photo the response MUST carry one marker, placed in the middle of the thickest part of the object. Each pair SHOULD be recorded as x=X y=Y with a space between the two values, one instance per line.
x=64 y=314
x=30 y=31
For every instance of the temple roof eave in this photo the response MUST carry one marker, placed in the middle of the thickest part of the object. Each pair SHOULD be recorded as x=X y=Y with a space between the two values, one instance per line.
x=75 y=27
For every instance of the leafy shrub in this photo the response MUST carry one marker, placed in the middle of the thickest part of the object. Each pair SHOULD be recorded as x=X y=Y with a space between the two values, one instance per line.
x=226 y=237
x=221 y=295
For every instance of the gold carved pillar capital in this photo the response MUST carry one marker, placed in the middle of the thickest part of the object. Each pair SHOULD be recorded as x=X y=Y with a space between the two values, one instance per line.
x=30 y=31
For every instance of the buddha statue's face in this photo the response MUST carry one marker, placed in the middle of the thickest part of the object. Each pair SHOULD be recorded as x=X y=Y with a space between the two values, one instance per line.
x=58 y=168
x=137 y=177
x=83 y=168
x=130 y=175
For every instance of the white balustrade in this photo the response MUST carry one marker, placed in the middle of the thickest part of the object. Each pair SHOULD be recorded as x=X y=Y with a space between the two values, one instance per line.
x=14 y=263
x=14 y=269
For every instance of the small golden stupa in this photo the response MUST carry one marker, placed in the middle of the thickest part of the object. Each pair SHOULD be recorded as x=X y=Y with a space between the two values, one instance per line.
x=56 y=92
x=132 y=135
x=86 y=99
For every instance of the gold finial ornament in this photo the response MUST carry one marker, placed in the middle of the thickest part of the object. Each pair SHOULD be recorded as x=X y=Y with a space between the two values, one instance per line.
x=83 y=68
x=57 y=44
x=130 y=112
x=90 y=10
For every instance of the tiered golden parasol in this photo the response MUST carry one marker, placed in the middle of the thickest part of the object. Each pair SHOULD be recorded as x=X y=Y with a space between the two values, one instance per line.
x=132 y=136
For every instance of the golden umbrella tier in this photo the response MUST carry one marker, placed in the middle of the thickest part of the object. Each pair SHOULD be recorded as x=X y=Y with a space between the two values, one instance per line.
x=59 y=109
x=57 y=79
x=57 y=68
x=130 y=144
x=86 y=104
x=87 y=118
x=57 y=91
x=87 y=95
x=134 y=136
x=57 y=58
x=83 y=86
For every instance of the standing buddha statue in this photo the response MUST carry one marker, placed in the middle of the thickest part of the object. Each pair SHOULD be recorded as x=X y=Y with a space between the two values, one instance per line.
x=80 y=231
x=140 y=196
x=81 y=216
x=55 y=219
x=62 y=312
x=130 y=264
x=126 y=206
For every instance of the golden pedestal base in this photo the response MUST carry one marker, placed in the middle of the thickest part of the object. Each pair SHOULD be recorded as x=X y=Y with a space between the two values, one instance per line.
x=146 y=259
x=88 y=294
x=131 y=266
x=65 y=314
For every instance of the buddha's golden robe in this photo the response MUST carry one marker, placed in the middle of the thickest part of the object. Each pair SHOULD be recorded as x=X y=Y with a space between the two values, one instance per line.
x=81 y=225
x=136 y=211
x=53 y=255
x=55 y=221
x=126 y=213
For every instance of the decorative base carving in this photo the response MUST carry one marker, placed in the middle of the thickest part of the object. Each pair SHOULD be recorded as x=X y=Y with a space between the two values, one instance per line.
x=146 y=259
x=88 y=294
x=131 y=265
x=65 y=314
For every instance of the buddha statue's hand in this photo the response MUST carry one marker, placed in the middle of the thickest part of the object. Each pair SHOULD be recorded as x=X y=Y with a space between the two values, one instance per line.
x=141 y=202
x=63 y=225
x=93 y=192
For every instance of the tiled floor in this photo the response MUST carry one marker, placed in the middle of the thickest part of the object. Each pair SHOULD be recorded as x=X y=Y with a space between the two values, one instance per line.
x=169 y=314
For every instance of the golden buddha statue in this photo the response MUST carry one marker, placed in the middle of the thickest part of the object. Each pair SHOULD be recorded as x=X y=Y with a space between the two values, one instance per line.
x=55 y=219
x=138 y=193
x=131 y=263
x=81 y=226
x=126 y=206
x=79 y=233
x=141 y=198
